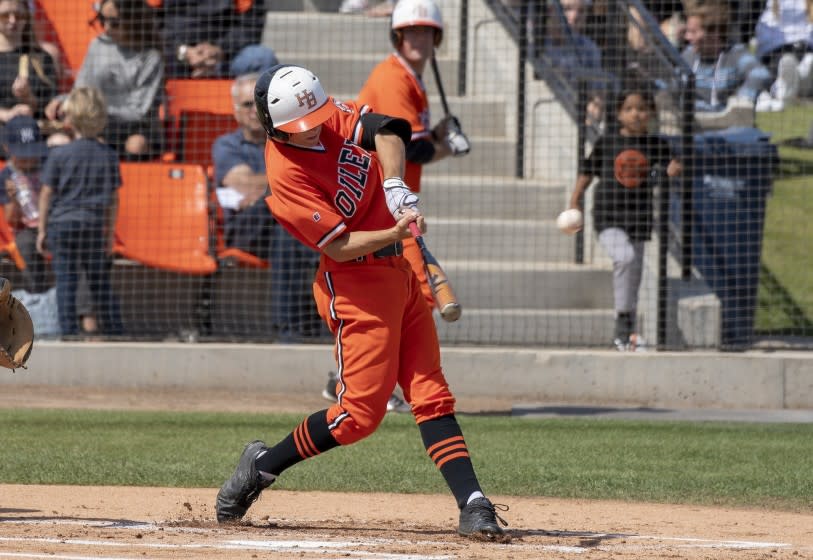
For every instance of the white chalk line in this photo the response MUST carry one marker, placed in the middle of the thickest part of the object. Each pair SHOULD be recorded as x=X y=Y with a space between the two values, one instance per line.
x=346 y=547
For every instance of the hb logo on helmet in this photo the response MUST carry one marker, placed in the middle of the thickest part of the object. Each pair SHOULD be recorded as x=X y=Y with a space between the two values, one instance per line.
x=290 y=99
x=306 y=97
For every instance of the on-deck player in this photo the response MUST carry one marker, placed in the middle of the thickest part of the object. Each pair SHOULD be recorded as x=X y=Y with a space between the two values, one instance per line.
x=335 y=175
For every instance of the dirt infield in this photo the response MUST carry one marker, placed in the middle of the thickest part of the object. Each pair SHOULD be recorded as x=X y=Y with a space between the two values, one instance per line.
x=125 y=523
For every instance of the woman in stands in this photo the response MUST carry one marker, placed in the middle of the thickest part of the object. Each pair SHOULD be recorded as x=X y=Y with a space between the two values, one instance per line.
x=125 y=64
x=28 y=77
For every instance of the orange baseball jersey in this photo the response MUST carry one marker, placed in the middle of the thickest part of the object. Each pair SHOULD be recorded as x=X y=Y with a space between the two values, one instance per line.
x=321 y=193
x=394 y=89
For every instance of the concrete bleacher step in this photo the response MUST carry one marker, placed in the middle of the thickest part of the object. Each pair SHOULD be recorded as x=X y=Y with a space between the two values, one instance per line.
x=484 y=284
x=498 y=240
x=478 y=116
x=489 y=155
x=346 y=73
x=330 y=32
x=533 y=327
x=490 y=196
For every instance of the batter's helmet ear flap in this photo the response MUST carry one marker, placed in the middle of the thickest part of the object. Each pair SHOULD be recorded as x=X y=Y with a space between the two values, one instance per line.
x=261 y=103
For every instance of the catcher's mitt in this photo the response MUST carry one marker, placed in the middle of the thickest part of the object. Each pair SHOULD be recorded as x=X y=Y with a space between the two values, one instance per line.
x=16 y=329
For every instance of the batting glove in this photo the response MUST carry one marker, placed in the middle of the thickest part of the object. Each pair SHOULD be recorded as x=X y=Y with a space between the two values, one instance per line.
x=399 y=197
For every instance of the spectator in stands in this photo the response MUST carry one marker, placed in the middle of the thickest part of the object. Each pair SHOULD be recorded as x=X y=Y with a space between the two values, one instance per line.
x=26 y=150
x=77 y=212
x=125 y=64
x=728 y=77
x=242 y=186
x=574 y=55
x=622 y=211
x=213 y=38
x=784 y=37
x=28 y=78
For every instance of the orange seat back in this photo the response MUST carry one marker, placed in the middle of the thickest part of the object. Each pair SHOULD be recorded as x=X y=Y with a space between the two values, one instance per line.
x=197 y=111
x=198 y=132
x=67 y=24
x=163 y=218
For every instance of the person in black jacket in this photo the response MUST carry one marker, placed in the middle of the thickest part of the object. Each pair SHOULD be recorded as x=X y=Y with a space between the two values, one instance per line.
x=213 y=38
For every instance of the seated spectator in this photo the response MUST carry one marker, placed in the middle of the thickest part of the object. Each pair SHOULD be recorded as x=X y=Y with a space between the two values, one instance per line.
x=728 y=77
x=240 y=178
x=77 y=213
x=213 y=38
x=28 y=78
x=574 y=54
x=784 y=37
x=124 y=63
x=242 y=186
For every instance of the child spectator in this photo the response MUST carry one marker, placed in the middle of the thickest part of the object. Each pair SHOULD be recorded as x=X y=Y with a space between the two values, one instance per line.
x=622 y=210
x=28 y=76
x=26 y=151
x=125 y=64
x=77 y=212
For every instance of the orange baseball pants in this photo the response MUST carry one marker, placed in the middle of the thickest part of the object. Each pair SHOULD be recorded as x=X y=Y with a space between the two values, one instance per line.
x=385 y=334
x=412 y=253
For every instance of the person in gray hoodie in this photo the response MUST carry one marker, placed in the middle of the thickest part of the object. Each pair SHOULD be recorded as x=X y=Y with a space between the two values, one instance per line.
x=125 y=63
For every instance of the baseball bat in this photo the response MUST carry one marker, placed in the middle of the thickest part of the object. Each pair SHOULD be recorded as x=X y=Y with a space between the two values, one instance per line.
x=445 y=298
x=442 y=93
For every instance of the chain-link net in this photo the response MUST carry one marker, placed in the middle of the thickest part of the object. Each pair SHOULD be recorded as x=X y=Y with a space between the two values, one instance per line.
x=135 y=178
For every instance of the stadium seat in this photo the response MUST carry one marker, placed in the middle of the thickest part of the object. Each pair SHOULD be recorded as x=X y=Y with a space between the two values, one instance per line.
x=197 y=133
x=197 y=111
x=231 y=256
x=163 y=220
x=67 y=24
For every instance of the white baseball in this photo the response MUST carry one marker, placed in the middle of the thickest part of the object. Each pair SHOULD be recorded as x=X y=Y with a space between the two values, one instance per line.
x=570 y=221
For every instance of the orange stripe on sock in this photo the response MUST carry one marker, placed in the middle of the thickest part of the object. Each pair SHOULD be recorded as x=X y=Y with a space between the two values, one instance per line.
x=446 y=450
x=307 y=439
x=298 y=444
x=452 y=456
x=299 y=433
x=431 y=449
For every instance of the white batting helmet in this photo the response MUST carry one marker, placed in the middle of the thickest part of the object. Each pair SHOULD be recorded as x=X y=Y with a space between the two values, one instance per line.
x=289 y=99
x=410 y=13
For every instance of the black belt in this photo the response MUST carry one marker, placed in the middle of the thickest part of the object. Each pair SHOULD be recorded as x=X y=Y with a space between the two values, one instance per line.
x=393 y=250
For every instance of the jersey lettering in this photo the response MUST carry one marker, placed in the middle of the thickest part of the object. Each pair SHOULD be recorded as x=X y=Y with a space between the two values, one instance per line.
x=352 y=172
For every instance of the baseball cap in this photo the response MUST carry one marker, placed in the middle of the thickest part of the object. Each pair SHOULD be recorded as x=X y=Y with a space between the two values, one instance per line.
x=23 y=139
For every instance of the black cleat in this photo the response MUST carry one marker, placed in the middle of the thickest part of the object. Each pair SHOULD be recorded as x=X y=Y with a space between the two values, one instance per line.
x=478 y=520
x=243 y=488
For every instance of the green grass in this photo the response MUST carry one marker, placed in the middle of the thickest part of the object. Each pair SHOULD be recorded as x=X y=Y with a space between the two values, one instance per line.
x=668 y=462
x=785 y=299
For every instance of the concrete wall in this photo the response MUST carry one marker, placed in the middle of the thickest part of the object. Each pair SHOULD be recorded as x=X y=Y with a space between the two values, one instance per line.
x=753 y=380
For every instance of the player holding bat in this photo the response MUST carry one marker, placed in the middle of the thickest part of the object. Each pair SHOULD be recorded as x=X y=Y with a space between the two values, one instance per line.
x=335 y=175
x=395 y=87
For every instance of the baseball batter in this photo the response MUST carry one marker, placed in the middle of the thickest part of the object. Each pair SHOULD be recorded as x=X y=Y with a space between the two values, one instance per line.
x=335 y=174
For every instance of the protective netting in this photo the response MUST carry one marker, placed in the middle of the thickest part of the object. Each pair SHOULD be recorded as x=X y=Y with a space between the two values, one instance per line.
x=694 y=223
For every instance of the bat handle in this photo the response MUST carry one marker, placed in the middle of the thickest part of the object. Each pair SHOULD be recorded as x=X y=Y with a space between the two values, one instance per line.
x=413 y=227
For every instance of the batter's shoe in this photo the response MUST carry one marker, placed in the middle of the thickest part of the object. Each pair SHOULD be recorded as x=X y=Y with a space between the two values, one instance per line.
x=479 y=521
x=244 y=487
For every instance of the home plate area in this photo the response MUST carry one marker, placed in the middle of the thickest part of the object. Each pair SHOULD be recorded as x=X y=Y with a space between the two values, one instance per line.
x=123 y=523
x=124 y=540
